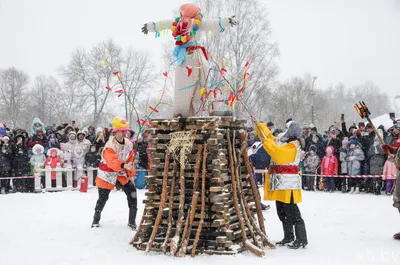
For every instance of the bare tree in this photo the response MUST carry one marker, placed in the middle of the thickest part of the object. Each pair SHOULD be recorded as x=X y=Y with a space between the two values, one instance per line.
x=13 y=91
x=251 y=41
x=46 y=95
x=138 y=76
x=85 y=70
x=105 y=70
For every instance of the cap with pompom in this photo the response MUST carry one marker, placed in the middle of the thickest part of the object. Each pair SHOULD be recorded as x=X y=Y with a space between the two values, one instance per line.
x=119 y=124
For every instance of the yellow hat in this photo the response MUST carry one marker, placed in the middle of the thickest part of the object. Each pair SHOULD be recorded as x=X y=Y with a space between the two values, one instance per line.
x=119 y=124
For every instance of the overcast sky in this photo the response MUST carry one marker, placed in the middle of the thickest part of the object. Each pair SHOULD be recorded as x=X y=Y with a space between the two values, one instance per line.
x=350 y=41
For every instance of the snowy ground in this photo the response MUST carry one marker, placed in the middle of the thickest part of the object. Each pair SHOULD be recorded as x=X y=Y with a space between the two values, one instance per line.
x=54 y=229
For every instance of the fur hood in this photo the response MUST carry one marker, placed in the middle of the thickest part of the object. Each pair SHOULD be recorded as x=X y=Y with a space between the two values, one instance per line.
x=37 y=146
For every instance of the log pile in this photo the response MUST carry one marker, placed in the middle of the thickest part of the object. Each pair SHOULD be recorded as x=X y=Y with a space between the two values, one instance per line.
x=200 y=199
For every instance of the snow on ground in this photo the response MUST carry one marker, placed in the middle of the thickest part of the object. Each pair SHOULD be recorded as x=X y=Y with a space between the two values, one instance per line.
x=54 y=228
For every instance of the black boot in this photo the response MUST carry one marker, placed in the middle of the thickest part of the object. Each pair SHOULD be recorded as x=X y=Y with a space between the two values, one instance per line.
x=288 y=235
x=96 y=219
x=265 y=207
x=132 y=218
x=301 y=236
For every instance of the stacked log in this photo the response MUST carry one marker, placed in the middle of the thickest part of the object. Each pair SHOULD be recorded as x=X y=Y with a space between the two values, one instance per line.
x=204 y=201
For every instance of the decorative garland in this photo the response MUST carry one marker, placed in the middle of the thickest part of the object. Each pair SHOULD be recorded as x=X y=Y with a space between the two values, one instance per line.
x=185 y=37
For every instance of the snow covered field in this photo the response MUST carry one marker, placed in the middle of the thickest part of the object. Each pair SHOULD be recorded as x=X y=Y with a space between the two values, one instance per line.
x=54 y=229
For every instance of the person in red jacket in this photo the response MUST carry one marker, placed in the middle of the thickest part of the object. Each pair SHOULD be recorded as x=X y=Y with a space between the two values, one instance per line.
x=53 y=160
x=116 y=168
x=329 y=167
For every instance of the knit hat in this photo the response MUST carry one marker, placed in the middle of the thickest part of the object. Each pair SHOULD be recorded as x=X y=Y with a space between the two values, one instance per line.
x=39 y=131
x=353 y=141
x=293 y=132
x=3 y=131
x=270 y=124
x=314 y=129
x=52 y=136
x=345 y=141
x=119 y=124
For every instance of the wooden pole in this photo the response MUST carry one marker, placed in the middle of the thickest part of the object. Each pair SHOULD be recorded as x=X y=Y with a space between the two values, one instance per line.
x=188 y=227
x=203 y=201
x=175 y=240
x=162 y=203
x=171 y=203
x=246 y=243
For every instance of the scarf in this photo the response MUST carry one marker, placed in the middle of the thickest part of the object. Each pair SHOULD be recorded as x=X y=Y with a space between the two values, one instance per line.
x=329 y=159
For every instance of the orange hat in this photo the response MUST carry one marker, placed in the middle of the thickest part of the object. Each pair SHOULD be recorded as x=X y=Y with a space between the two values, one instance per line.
x=119 y=124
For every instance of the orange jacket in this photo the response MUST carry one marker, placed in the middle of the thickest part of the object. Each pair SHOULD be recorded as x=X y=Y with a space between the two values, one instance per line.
x=112 y=160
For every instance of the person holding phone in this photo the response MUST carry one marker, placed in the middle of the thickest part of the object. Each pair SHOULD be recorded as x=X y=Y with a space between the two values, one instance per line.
x=115 y=169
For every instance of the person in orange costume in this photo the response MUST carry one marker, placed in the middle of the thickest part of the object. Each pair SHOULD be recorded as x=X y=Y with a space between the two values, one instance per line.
x=116 y=167
x=283 y=181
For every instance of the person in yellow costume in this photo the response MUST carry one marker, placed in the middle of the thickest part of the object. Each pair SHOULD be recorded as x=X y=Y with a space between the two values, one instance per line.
x=283 y=182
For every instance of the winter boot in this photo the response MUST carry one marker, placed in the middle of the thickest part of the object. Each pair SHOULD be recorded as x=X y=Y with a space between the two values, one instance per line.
x=357 y=191
x=265 y=207
x=288 y=235
x=96 y=219
x=301 y=236
x=132 y=218
x=352 y=189
x=397 y=236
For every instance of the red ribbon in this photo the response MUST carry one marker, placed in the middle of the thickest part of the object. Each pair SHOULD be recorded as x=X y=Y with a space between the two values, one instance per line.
x=190 y=70
x=153 y=109
x=193 y=48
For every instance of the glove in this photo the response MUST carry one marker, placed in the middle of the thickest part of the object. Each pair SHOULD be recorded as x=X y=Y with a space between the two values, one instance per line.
x=232 y=21
x=388 y=148
x=144 y=29
x=352 y=158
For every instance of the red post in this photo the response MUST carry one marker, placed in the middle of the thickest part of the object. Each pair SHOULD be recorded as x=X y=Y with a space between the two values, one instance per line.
x=84 y=184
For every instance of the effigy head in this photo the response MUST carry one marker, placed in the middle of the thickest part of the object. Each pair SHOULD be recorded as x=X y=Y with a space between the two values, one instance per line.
x=190 y=10
x=185 y=27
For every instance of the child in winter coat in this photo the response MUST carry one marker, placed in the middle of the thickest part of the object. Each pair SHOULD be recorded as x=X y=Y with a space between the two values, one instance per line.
x=390 y=172
x=53 y=161
x=92 y=160
x=52 y=142
x=311 y=164
x=329 y=167
x=343 y=164
x=38 y=158
x=355 y=156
